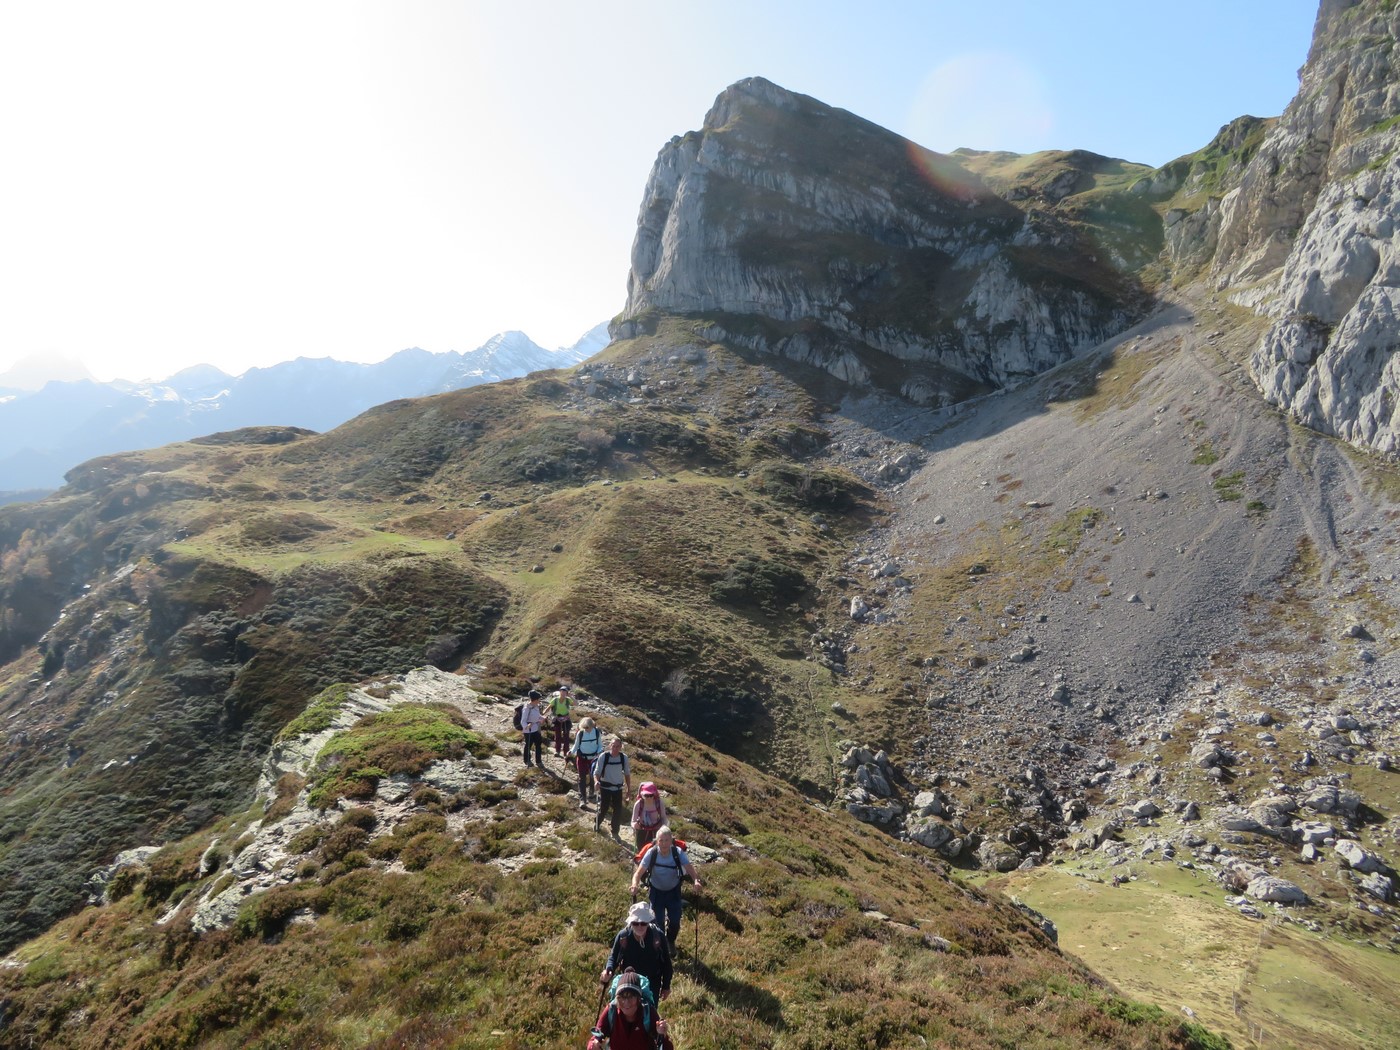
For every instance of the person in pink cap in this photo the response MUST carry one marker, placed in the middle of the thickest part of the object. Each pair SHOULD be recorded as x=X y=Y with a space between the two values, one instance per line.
x=648 y=814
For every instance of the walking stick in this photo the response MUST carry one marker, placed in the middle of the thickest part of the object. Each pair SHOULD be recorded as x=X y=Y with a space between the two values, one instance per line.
x=602 y=994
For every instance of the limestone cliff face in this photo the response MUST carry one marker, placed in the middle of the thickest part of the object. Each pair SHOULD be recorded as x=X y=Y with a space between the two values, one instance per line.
x=1190 y=234
x=1309 y=235
x=804 y=231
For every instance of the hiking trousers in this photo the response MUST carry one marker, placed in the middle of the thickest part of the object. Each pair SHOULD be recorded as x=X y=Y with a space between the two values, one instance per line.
x=609 y=799
x=667 y=905
x=537 y=739
x=584 y=765
x=562 y=725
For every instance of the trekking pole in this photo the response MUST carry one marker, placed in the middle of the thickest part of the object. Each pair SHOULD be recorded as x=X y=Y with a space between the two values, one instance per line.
x=602 y=994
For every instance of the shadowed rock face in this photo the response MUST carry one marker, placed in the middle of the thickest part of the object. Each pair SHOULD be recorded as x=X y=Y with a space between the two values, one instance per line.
x=1309 y=236
x=804 y=231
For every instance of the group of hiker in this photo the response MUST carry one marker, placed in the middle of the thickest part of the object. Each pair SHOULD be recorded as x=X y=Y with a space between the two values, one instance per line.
x=637 y=975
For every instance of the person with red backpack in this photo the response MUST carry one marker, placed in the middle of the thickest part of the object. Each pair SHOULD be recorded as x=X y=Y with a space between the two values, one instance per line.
x=665 y=863
x=629 y=1022
x=642 y=947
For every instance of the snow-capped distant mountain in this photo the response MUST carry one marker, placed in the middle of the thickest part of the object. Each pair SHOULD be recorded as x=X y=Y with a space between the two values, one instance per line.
x=513 y=354
x=46 y=432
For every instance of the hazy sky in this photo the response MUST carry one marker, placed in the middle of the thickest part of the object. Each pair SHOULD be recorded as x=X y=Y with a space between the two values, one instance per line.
x=243 y=183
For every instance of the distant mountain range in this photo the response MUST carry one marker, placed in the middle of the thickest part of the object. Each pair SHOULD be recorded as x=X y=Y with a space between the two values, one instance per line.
x=46 y=432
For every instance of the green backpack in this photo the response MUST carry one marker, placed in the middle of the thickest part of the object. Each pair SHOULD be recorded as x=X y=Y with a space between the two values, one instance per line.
x=605 y=1027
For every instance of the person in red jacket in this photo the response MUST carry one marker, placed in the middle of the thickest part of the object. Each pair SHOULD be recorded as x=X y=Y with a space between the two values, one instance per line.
x=629 y=1022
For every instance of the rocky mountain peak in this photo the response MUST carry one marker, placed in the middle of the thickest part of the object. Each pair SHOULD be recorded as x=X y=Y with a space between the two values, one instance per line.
x=801 y=230
x=756 y=92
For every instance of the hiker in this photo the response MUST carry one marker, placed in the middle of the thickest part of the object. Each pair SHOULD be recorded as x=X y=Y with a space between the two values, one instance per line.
x=531 y=719
x=587 y=745
x=561 y=706
x=628 y=1022
x=641 y=946
x=612 y=773
x=665 y=863
x=649 y=813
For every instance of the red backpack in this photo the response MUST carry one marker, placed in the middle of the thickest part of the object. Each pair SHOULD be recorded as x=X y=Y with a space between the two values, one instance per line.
x=637 y=859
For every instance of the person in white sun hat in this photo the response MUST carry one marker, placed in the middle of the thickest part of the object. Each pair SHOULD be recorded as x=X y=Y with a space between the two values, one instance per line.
x=642 y=946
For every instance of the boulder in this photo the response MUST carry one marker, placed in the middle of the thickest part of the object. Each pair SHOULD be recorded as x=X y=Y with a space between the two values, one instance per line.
x=882 y=814
x=1328 y=798
x=998 y=856
x=1233 y=818
x=1313 y=832
x=929 y=804
x=1275 y=890
x=931 y=833
x=1146 y=809
x=1355 y=856
x=1207 y=755
x=1382 y=887
x=1273 y=811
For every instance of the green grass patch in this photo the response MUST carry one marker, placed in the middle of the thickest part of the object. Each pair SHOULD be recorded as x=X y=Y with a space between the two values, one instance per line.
x=319 y=712
x=1206 y=455
x=404 y=740
x=1168 y=939
x=1065 y=535
x=1229 y=487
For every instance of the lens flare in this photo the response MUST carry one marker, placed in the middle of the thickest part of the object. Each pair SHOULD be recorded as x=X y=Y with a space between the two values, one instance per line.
x=982 y=100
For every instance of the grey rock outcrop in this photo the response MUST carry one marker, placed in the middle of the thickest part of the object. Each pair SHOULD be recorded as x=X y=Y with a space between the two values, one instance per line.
x=1191 y=234
x=804 y=231
x=1354 y=856
x=1275 y=890
x=1309 y=236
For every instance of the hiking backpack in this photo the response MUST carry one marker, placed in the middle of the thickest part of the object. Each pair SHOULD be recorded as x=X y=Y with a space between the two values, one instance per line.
x=595 y=737
x=607 y=759
x=675 y=844
x=648 y=997
x=519 y=712
x=648 y=1021
x=647 y=869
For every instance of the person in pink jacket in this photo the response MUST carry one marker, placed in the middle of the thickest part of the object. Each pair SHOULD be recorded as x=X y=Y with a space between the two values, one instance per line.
x=648 y=814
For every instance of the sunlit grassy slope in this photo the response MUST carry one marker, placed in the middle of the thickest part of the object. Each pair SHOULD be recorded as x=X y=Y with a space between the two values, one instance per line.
x=810 y=932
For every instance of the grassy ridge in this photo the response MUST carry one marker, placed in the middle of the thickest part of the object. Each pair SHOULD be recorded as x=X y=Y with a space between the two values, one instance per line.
x=803 y=938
